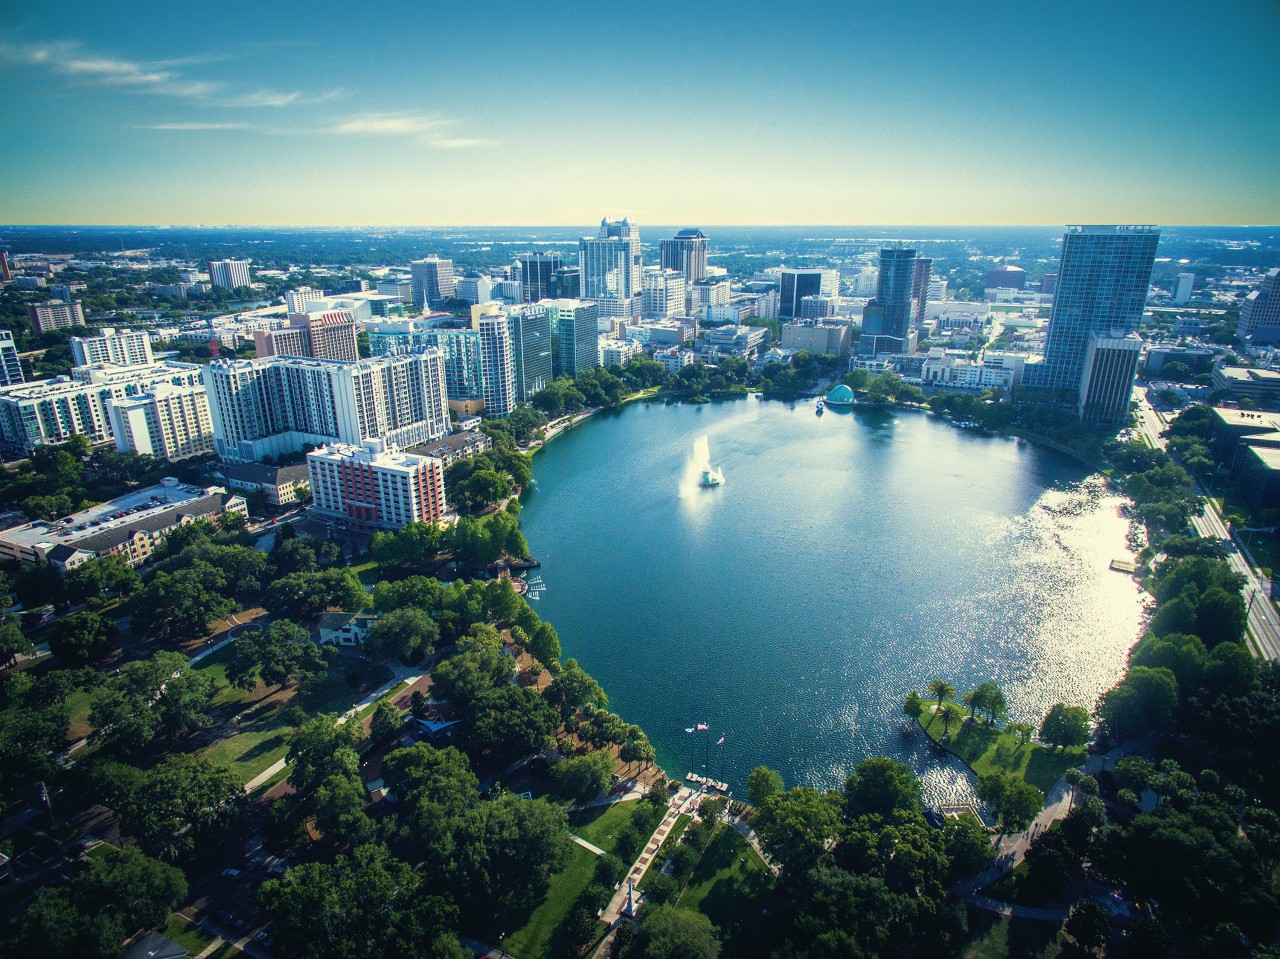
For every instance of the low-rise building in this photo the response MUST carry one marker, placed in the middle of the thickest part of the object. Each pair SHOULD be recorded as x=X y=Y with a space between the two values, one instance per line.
x=674 y=359
x=55 y=315
x=346 y=629
x=1260 y=386
x=130 y=526
x=618 y=352
x=744 y=341
x=456 y=446
x=280 y=484
x=817 y=336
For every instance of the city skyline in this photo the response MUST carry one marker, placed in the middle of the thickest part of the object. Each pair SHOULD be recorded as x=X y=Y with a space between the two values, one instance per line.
x=936 y=116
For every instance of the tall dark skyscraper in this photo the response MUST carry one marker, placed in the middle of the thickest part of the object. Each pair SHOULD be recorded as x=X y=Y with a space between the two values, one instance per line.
x=1101 y=290
x=566 y=284
x=886 y=320
x=796 y=285
x=537 y=270
x=686 y=253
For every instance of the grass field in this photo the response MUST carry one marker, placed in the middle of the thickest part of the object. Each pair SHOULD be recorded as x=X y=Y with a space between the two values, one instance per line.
x=536 y=939
x=733 y=887
x=988 y=749
x=188 y=935
x=603 y=825
x=668 y=844
x=999 y=937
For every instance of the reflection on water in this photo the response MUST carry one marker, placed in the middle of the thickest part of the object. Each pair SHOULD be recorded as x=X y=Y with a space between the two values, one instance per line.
x=847 y=560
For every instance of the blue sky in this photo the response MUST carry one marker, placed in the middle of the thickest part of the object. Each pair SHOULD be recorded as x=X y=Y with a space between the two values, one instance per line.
x=510 y=113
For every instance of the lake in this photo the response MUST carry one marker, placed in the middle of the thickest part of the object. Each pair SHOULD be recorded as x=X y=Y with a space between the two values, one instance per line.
x=846 y=559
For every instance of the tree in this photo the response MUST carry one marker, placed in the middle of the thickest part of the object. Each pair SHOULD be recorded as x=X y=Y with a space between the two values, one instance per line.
x=1140 y=704
x=573 y=689
x=1065 y=726
x=339 y=808
x=93 y=582
x=670 y=933
x=795 y=826
x=307 y=595
x=763 y=783
x=941 y=690
x=160 y=695
x=881 y=787
x=968 y=846
x=180 y=605
x=13 y=642
x=406 y=634
x=1088 y=924
x=584 y=777
x=949 y=713
x=81 y=638
x=184 y=799
x=386 y=722
x=368 y=904
x=319 y=748
x=1015 y=802
x=282 y=653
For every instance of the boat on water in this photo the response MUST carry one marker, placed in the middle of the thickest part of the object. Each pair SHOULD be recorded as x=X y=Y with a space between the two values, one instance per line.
x=819 y=406
x=711 y=476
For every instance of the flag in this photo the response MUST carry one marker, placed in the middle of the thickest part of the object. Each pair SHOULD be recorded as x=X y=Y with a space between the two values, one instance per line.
x=721 y=743
x=702 y=726
x=689 y=730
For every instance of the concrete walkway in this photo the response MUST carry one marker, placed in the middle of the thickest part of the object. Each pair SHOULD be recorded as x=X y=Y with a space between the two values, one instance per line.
x=594 y=850
x=1019 y=912
x=753 y=841
x=684 y=801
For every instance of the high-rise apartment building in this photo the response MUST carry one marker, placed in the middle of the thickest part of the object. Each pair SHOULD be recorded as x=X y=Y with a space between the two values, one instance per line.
x=473 y=288
x=1260 y=311
x=460 y=353
x=531 y=365
x=1182 y=288
x=1103 y=278
x=117 y=347
x=169 y=422
x=708 y=293
x=574 y=338
x=302 y=299
x=886 y=320
x=536 y=270
x=496 y=364
x=1049 y=283
x=55 y=315
x=662 y=293
x=375 y=487
x=920 y=289
x=10 y=364
x=433 y=281
x=229 y=274
x=611 y=267
x=326 y=335
x=272 y=406
x=686 y=253
x=6 y=270
x=1110 y=366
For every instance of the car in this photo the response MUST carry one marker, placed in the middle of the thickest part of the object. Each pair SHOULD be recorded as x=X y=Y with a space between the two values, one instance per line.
x=263 y=937
x=224 y=917
x=231 y=874
x=242 y=927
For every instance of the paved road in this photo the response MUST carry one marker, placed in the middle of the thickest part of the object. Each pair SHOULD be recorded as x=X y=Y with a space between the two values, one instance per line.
x=1264 y=622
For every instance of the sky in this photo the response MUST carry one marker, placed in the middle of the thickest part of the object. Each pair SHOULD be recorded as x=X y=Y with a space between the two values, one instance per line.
x=430 y=113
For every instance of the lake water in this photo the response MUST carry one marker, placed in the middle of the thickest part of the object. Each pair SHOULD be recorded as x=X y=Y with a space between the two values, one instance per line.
x=846 y=559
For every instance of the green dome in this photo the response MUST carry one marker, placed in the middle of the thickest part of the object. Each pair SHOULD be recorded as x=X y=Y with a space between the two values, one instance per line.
x=840 y=395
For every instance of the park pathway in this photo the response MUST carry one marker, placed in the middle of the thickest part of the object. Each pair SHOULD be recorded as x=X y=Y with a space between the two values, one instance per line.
x=749 y=834
x=684 y=801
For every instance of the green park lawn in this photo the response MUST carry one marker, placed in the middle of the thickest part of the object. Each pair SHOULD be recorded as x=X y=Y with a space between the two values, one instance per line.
x=732 y=886
x=188 y=935
x=262 y=734
x=988 y=749
x=668 y=844
x=999 y=937
x=602 y=825
x=536 y=939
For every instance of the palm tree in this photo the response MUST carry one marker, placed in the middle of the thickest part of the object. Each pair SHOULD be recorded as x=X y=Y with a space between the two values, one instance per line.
x=940 y=689
x=974 y=699
x=949 y=712
x=1072 y=777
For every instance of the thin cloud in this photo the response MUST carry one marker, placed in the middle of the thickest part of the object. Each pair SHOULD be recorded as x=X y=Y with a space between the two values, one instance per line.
x=460 y=143
x=66 y=57
x=387 y=124
x=193 y=126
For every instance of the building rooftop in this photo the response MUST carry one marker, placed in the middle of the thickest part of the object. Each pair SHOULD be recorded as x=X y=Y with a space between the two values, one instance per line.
x=151 y=522
x=454 y=442
x=1269 y=455
x=1244 y=375
x=1234 y=417
x=129 y=510
x=263 y=474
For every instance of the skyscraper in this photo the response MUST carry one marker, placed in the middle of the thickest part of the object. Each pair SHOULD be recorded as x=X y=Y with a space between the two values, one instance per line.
x=117 y=347
x=795 y=286
x=324 y=335
x=566 y=284
x=6 y=272
x=611 y=263
x=1182 y=287
x=531 y=365
x=536 y=271
x=432 y=281
x=10 y=364
x=55 y=315
x=574 y=339
x=886 y=320
x=1260 y=311
x=686 y=253
x=1101 y=289
x=229 y=274
x=496 y=364
x=1006 y=277
x=662 y=293
x=920 y=289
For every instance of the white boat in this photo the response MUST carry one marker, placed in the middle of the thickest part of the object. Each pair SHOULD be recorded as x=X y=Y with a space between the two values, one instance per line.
x=711 y=476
